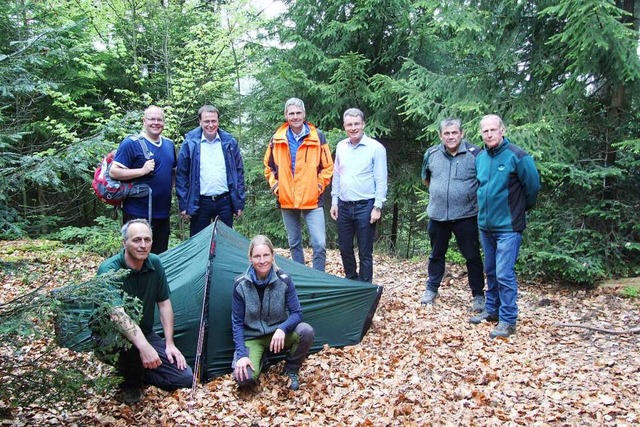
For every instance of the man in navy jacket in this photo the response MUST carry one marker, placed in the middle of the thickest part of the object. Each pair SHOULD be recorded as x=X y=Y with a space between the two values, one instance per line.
x=210 y=174
x=508 y=187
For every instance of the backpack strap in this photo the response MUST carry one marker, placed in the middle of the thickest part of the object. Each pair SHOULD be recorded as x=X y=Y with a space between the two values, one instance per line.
x=272 y=161
x=147 y=155
x=321 y=137
x=323 y=141
x=143 y=144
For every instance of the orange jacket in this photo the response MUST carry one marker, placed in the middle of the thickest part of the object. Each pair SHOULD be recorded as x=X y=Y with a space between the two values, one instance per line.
x=314 y=168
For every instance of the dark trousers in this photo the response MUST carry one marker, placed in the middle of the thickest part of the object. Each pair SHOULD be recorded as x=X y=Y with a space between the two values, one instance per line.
x=161 y=229
x=354 y=220
x=466 y=232
x=208 y=210
x=166 y=376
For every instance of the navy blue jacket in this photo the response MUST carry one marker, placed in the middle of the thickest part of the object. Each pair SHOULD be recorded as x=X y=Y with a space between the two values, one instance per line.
x=509 y=185
x=188 y=171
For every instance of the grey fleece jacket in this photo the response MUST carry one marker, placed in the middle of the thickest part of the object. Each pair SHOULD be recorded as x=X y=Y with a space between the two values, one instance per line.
x=452 y=182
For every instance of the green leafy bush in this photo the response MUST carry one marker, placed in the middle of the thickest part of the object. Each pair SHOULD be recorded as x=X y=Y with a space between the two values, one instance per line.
x=32 y=368
x=103 y=238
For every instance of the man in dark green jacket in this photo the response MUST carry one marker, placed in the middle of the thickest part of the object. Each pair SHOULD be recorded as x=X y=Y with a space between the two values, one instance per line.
x=508 y=187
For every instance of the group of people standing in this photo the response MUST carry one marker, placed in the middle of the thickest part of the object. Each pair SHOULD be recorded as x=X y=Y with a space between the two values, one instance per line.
x=481 y=197
x=208 y=173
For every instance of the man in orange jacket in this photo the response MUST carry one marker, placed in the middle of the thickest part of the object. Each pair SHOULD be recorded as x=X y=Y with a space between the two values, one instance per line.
x=298 y=167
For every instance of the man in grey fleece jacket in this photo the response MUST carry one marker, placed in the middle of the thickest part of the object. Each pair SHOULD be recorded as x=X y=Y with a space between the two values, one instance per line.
x=449 y=170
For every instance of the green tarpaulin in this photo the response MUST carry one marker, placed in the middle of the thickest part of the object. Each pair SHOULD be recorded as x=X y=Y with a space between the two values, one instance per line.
x=340 y=310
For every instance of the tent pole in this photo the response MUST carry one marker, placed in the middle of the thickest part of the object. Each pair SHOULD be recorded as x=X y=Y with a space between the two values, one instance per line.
x=204 y=314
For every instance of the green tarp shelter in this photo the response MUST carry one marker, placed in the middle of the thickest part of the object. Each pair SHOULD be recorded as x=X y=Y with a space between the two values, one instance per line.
x=340 y=310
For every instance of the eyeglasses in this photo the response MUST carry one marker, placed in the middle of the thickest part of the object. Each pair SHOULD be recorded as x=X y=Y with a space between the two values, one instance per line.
x=154 y=119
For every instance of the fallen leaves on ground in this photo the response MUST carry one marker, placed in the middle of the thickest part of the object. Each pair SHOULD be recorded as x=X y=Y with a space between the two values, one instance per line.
x=418 y=365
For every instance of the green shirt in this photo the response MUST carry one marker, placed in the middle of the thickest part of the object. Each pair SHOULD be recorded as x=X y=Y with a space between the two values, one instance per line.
x=149 y=284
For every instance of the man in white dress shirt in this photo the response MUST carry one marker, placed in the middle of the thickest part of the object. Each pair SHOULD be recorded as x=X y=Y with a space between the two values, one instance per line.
x=359 y=190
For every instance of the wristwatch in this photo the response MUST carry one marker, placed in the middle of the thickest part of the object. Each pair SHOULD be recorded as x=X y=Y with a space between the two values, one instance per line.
x=377 y=208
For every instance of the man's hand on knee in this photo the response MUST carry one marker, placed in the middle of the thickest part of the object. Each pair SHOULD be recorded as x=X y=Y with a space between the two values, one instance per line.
x=149 y=356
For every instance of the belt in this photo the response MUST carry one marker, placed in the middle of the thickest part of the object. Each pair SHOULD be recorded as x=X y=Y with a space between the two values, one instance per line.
x=356 y=202
x=216 y=198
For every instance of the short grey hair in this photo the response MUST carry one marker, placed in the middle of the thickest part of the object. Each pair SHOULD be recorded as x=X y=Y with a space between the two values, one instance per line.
x=208 y=109
x=493 y=116
x=296 y=102
x=353 y=112
x=125 y=228
x=451 y=122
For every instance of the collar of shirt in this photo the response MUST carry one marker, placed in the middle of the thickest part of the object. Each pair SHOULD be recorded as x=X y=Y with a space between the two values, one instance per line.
x=462 y=148
x=157 y=143
x=216 y=139
x=146 y=265
x=363 y=141
x=304 y=132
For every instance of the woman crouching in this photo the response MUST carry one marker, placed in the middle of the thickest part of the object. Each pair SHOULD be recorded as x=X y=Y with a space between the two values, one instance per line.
x=267 y=318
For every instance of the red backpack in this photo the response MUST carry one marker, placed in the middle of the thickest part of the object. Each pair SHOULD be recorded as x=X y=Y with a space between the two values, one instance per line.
x=111 y=190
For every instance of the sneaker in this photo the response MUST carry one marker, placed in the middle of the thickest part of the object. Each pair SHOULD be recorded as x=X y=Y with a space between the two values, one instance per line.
x=503 y=330
x=129 y=395
x=478 y=304
x=293 y=376
x=429 y=297
x=479 y=318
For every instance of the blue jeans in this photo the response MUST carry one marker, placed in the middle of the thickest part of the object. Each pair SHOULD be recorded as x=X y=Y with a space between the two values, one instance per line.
x=466 y=232
x=317 y=234
x=354 y=220
x=500 y=256
x=208 y=210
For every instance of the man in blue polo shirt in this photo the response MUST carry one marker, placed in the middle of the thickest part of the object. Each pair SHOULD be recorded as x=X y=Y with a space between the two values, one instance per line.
x=155 y=167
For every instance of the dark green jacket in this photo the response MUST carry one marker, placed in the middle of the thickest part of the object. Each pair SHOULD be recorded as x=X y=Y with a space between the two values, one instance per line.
x=508 y=187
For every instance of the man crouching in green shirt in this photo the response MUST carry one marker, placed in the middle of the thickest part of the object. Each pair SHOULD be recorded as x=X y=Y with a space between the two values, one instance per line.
x=150 y=360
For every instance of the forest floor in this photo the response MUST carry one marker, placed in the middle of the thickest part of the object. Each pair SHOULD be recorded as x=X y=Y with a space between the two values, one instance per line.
x=416 y=366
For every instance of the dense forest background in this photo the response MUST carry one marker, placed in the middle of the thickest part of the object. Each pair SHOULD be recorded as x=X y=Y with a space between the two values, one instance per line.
x=75 y=76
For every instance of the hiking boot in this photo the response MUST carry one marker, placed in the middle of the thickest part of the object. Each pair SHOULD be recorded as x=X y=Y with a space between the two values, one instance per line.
x=479 y=318
x=429 y=297
x=477 y=306
x=129 y=395
x=293 y=376
x=503 y=330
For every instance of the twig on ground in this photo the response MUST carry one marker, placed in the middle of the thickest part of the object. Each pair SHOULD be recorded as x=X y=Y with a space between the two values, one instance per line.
x=603 y=330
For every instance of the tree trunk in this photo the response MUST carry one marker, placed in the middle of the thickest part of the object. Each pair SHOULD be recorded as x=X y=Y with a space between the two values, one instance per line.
x=617 y=107
x=393 y=240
